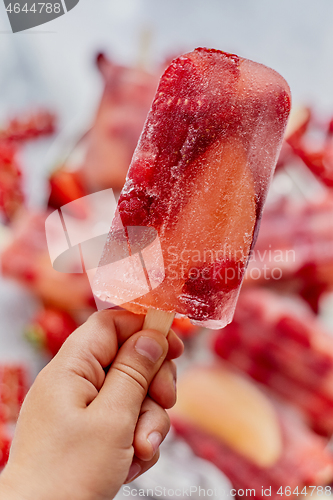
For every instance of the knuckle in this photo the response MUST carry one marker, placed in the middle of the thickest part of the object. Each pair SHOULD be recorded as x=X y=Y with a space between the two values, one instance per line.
x=97 y=319
x=133 y=375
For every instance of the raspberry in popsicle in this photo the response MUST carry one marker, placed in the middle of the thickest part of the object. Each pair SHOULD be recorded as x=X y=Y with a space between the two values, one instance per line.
x=199 y=177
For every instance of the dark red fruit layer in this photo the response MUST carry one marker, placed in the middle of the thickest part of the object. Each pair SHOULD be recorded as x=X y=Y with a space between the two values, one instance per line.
x=205 y=286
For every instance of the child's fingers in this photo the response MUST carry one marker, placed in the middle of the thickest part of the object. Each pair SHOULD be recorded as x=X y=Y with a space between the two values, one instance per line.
x=152 y=427
x=127 y=323
x=121 y=319
x=127 y=382
x=163 y=387
x=176 y=346
x=94 y=345
x=139 y=467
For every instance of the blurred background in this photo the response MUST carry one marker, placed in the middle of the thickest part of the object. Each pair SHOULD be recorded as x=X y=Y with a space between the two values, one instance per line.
x=74 y=94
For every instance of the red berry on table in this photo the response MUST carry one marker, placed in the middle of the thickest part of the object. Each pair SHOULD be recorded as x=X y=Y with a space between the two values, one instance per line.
x=65 y=186
x=50 y=328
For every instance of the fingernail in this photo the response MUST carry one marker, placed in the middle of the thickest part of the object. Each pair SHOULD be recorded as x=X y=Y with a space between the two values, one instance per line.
x=155 y=439
x=148 y=347
x=133 y=472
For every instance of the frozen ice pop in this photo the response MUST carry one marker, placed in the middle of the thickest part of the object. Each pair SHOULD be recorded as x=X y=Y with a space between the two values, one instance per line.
x=260 y=443
x=120 y=117
x=281 y=343
x=199 y=176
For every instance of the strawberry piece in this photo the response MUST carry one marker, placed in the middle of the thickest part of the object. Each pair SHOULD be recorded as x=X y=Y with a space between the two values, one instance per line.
x=206 y=286
x=65 y=186
x=49 y=330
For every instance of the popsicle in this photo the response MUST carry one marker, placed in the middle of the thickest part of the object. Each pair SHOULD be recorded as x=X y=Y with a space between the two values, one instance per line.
x=199 y=177
x=257 y=441
x=281 y=343
x=294 y=248
x=118 y=123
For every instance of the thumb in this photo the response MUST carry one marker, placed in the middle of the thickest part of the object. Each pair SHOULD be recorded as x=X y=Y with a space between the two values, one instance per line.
x=133 y=369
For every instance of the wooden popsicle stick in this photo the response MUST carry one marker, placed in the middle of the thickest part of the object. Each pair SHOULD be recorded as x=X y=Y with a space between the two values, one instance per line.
x=158 y=320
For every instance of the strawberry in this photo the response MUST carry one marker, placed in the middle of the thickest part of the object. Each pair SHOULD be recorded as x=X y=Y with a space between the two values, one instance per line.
x=65 y=187
x=49 y=330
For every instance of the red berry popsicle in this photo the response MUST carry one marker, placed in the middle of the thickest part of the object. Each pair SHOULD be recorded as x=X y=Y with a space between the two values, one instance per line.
x=199 y=177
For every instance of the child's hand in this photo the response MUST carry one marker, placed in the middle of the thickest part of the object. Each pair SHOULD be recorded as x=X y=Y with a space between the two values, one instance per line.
x=81 y=434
